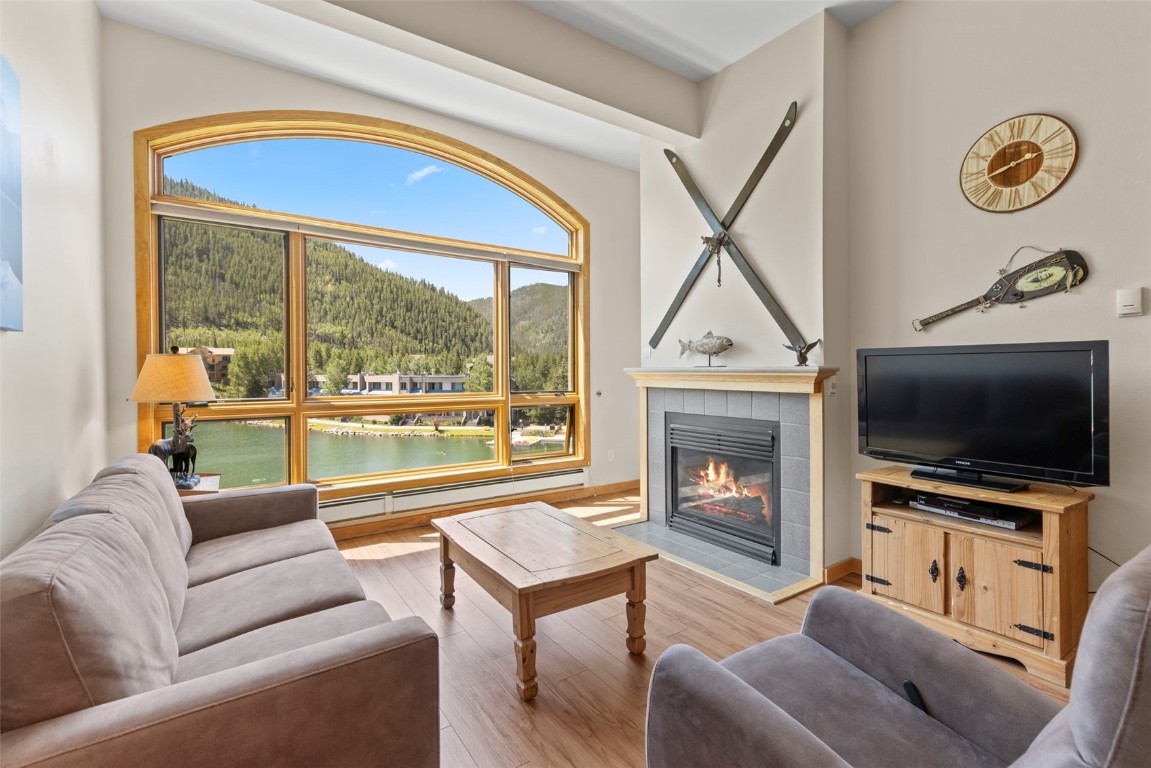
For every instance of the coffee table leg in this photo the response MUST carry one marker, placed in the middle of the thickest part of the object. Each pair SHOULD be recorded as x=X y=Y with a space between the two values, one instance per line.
x=636 y=610
x=524 y=627
x=447 y=575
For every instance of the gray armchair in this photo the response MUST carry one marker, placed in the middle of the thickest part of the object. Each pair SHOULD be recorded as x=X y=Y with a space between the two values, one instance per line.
x=834 y=695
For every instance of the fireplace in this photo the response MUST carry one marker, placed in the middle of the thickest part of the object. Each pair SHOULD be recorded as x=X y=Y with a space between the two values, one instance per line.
x=722 y=484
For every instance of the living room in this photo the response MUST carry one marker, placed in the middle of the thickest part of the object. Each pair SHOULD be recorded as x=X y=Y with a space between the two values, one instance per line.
x=858 y=227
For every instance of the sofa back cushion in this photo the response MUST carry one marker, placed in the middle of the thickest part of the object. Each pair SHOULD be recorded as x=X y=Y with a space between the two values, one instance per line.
x=134 y=497
x=1105 y=721
x=1110 y=703
x=83 y=621
x=156 y=472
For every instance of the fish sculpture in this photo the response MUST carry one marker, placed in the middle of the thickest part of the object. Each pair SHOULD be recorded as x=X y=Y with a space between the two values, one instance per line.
x=709 y=345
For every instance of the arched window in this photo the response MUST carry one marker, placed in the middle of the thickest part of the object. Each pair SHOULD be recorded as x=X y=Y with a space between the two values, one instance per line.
x=378 y=306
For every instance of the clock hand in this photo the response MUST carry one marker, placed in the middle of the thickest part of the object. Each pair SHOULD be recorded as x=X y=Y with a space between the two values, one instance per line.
x=1014 y=163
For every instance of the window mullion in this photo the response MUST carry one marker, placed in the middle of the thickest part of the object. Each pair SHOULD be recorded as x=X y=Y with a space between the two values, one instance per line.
x=501 y=362
x=297 y=356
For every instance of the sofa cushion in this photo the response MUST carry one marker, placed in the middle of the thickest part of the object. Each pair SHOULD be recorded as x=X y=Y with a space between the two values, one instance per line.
x=135 y=498
x=282 y=637
x=257 y=597
x=148 y=466
x=83 y=621
x=216 y=558
x=838 y=703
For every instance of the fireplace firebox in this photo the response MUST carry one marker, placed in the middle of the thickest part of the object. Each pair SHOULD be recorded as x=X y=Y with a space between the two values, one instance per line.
x=722 y=484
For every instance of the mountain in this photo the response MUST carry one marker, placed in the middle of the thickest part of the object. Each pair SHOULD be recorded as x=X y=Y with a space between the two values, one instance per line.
x=224 y=287
x=539 y=318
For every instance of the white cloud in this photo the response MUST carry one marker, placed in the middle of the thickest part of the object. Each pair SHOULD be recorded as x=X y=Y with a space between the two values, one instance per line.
x=539 y=230
x=427 y=170
x=388 y=265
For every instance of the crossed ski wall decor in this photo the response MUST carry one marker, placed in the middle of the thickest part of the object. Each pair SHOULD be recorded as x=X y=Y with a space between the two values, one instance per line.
x=721 y=239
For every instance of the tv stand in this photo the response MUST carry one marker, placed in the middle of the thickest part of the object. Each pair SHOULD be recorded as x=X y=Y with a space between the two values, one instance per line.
x=1016 y=593
x=969 y=478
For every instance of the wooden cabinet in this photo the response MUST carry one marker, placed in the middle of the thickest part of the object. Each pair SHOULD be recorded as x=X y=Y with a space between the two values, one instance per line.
x=1016 y=593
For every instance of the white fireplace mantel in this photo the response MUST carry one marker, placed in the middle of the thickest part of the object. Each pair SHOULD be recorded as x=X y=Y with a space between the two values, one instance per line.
x=797 y=380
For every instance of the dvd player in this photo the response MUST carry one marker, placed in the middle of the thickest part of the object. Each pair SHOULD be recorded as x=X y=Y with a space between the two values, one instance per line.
x=1010 y=518
x=966 y=506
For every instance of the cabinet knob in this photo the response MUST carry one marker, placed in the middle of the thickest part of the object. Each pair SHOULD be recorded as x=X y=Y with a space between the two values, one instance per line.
x=934 y=571
x=961 y=579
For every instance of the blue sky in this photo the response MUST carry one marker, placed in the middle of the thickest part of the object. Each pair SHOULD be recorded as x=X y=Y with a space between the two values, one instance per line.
x=385 y=187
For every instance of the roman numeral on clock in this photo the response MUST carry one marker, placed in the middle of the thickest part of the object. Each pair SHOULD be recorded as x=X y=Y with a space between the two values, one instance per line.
x=1015 y=129
x=992 y=198
x=980 y=189
x=1053 y=135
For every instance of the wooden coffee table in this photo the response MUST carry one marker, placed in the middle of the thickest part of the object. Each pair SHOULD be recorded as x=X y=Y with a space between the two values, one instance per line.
x=536 y=560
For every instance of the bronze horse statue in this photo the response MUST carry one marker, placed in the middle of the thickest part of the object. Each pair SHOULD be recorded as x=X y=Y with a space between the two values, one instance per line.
x=178 y=447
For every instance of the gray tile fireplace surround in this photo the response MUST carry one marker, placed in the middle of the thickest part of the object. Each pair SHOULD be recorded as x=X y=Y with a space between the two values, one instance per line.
x=793 y=464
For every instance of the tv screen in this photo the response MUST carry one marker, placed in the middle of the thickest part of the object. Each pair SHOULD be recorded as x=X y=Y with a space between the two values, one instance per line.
x=1031 y=411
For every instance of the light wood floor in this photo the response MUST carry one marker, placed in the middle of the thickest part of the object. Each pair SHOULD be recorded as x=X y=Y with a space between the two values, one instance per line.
x=592 y=699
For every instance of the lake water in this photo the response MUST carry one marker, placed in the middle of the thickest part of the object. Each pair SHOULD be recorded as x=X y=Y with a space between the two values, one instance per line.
x=246 y=454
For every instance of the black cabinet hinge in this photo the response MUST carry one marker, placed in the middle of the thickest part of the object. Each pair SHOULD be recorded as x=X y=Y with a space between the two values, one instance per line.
x=876 y=580
x=1034 y=631
x=877 y=528
x=1035 y=566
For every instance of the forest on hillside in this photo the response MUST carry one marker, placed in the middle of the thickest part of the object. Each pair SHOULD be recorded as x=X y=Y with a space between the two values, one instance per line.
x=224 y=286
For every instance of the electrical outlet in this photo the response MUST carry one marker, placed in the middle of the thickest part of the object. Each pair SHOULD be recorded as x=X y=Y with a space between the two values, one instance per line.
x=647 y=351
x=610 y=455
x=831 y=386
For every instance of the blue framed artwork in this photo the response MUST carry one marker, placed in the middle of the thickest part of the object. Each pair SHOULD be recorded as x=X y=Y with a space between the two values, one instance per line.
x=11 y=220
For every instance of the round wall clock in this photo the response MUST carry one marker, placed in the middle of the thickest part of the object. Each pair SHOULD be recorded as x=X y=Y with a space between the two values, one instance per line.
x=1018 y=163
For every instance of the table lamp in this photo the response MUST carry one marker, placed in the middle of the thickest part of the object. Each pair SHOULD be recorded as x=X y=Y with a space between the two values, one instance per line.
x=176 y=379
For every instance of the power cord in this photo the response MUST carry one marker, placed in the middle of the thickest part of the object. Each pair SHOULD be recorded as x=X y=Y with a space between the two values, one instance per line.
x=1092 y=549
x=1103 y=556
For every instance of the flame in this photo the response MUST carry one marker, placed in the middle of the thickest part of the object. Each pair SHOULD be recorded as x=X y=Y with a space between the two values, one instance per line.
x=717 y=479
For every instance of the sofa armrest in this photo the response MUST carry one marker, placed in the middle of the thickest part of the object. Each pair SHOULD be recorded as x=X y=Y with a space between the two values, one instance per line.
x=980 y=702
x=698 y=714
x=213 y=515
x=368 y=698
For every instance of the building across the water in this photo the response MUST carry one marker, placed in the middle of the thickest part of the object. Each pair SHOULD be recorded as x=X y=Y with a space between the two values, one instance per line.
x=216 y=360
x=399 y=383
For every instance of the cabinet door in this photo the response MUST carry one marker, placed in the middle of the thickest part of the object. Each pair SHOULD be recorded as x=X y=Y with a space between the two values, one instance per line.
x=997 y=594
x=910 y=557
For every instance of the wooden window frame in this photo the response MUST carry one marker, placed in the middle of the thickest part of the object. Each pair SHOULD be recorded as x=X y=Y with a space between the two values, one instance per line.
x=152 y=145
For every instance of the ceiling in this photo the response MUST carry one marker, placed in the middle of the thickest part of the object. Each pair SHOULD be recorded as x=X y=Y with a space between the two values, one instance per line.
x=697 y=38
x=692 y=38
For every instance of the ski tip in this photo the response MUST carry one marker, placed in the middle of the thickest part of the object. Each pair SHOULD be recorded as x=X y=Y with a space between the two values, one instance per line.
x=672 y=156
x=789 y=118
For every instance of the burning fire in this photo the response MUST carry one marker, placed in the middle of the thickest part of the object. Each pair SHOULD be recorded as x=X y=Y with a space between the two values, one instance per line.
x=717 y=479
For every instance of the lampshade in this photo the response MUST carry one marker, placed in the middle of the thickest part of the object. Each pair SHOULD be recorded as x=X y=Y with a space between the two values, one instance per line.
x=171 y=379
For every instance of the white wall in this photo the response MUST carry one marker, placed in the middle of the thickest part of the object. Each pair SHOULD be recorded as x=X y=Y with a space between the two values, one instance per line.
x=926 y=80
x=859 y=226
x=794 y=229
x=510 y=34
x=149 y=79
x=52 y=414
x=841 y=512
x=780 y=230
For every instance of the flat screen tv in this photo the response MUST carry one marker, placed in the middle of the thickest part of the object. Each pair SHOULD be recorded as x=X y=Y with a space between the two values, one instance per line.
x=965 y=414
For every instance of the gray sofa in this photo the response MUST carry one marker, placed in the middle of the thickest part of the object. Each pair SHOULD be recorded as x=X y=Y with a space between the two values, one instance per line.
x=142 y=628
x=833 y=695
